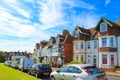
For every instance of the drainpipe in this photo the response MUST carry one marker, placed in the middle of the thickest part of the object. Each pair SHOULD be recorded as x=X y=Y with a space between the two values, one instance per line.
x=85 y=52
x=117 y=51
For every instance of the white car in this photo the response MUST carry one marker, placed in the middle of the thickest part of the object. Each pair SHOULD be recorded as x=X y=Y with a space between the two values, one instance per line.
x=78 y=72
x=8 y=63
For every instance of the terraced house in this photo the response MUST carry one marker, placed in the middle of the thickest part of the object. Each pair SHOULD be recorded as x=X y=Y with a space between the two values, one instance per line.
x=99 y=45
x=58 y=50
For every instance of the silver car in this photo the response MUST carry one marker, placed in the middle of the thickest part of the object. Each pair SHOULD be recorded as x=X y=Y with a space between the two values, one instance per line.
x=78 y=72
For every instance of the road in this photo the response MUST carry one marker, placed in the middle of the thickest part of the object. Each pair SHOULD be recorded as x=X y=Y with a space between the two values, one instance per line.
x=109 y=78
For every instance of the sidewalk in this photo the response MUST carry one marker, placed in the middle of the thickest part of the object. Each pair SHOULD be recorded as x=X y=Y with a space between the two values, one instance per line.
x=115 y=74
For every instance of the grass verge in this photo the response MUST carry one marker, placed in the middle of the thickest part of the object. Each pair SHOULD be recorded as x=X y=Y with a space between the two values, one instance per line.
x=8 y=73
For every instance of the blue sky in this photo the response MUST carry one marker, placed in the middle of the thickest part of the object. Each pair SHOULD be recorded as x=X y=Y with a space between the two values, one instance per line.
x=23 y=23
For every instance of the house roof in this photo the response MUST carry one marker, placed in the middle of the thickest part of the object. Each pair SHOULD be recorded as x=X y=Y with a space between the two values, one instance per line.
x=118 y=22
x=82 y=30
x=111 y=24
x=94 y=33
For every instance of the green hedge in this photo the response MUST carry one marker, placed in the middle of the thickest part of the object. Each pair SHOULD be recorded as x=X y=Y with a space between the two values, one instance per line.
x=75 y=62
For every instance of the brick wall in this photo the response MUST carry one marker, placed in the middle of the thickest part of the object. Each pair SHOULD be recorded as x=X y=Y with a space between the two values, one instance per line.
x=107 y=49
x=68 y=52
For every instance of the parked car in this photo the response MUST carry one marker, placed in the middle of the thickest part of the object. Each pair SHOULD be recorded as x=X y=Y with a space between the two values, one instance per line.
x=25 y=64
x=8 y=63
x=40 y=70
x=78 y=72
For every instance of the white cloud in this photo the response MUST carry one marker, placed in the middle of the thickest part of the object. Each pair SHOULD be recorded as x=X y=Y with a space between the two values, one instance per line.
x=15 y=20
x=79 y=3
x=18 y=7
x=86 y=19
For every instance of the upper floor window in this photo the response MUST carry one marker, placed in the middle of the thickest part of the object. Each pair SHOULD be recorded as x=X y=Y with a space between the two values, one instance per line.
x=82 y=45
x=77 y=34
x=111 y=42
x=95 y=44
x=104 y=42
x=76 y=45
x=103 y=27
x=88 y=45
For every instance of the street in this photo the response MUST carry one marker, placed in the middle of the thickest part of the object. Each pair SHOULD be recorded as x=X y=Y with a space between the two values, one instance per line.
x=113 y=78
x=109 y=78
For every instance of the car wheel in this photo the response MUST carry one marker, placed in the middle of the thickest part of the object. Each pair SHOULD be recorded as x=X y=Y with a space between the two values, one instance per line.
x=37 y=76
x=52 y=78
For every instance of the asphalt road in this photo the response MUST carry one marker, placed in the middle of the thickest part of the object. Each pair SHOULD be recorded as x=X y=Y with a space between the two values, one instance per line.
x=109 y=78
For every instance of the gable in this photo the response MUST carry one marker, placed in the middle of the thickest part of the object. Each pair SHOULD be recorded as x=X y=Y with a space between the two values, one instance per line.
x=103 y=20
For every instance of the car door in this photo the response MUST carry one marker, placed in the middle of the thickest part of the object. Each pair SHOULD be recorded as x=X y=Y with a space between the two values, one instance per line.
x=61 y=72
x=73 y=73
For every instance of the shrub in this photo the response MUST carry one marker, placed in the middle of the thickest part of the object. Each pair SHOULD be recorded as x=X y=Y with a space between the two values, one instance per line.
x=41 y=59
x=2 y=56
x=75 y=62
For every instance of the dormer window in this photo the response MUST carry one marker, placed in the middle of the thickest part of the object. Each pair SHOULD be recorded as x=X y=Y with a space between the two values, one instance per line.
x=57 y=40
x=103 y=27
x=77 y=34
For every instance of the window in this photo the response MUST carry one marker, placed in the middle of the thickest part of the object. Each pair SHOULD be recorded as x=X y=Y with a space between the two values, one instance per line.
x=104 y=59
x=73 y=69
x=95 y=44
x=89 y=59
x=77 y=34
x=112 y=59
x=103 y=27
x=94 y=59
x=88 y=45
x=76 y=45
x=82 y=45
x=57 y=40
x=76 y=57
x=104 y=42
x=63 y=69
x=81 y=58
x=111 y=42
x=93 y=69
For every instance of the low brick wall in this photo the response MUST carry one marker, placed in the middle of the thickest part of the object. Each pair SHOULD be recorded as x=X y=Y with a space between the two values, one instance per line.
x=109 y=69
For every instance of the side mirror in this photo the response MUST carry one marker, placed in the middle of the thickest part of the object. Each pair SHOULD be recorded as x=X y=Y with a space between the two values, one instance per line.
x=58 y=71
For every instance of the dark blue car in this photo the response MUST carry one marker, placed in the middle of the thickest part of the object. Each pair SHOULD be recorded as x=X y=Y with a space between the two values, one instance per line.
x=40 y=70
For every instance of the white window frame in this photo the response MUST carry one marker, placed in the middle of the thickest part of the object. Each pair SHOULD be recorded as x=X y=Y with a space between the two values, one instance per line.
x=95 y=44
x=82 y=45
x=57 y=40
x=103 y=27
x=88 y=45
x=76 y=46
x=112 y=39
x=104 y=42
x=78 y=34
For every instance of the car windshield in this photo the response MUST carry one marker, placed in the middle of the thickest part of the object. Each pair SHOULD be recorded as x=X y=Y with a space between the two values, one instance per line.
x=93 y=69
x=43 y=66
